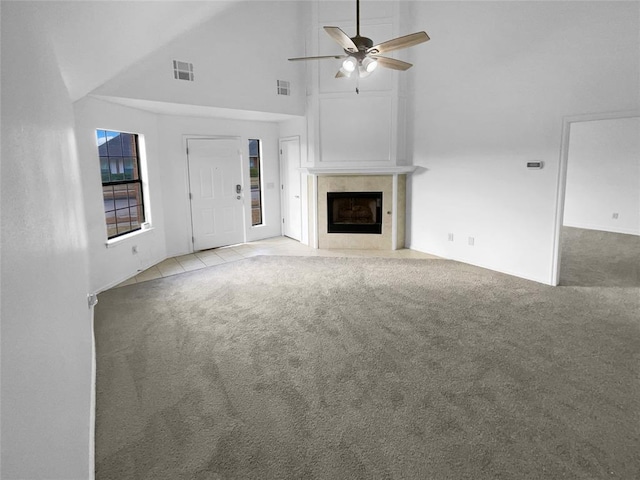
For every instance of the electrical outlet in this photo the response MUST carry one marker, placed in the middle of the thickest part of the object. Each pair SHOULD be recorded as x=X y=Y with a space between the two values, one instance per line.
x=615 y=216
x=450 y=237
x=471 y=241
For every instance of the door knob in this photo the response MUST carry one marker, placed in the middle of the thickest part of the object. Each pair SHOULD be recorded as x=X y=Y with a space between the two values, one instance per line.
x=296 y=196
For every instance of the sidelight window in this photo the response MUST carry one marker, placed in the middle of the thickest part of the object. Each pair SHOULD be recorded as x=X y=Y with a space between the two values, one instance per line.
x=255 y=173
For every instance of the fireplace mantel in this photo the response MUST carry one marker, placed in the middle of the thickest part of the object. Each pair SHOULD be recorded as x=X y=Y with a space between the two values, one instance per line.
x=360 y=170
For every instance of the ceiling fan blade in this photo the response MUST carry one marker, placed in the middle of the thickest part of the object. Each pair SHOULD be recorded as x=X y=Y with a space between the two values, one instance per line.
x=340 y=74
x=342 y=38
x=400 y=42
x=392 y=63
x=315 y=58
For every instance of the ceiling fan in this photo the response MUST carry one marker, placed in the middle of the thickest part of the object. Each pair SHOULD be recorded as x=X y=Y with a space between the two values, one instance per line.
x=360 y=53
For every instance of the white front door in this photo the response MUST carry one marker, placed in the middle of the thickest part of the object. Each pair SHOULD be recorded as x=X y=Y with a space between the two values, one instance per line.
x=216 y=193
x=290 y=187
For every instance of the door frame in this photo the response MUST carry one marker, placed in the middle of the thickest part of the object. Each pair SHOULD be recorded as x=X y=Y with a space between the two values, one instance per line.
x=284 y=206
x=562 y=178
x=185 y=145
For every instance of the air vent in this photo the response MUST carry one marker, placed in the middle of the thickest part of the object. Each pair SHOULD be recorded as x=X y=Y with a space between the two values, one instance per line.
x=283 y=88
x=183 y=70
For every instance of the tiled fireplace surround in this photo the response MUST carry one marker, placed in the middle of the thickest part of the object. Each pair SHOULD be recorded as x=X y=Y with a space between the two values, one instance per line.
x=390 y=181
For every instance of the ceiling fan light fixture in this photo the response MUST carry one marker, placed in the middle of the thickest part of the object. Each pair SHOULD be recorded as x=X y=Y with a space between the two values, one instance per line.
x=369 y=64
x=362 y=72
x=343 y=73
x=349 y=64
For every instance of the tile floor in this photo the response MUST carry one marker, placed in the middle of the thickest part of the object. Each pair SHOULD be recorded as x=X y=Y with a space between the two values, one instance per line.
x=269 y=246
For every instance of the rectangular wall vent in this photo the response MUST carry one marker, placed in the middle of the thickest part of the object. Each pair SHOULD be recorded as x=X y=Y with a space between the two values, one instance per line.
x=182 y=70
x=283 y=87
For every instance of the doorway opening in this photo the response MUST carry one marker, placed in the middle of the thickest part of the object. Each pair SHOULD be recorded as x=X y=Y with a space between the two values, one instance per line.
x=597 y=219
x=291 y=187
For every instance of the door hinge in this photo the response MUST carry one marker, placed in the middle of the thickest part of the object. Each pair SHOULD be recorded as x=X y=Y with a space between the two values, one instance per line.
x=193 y=240
x=190 y=196
x=187 y=150
x=282 y=186
x=283 y=220
x=280 y=151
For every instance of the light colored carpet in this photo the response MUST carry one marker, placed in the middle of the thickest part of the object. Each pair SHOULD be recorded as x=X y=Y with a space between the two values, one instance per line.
x=599 y=259
x=353 y=368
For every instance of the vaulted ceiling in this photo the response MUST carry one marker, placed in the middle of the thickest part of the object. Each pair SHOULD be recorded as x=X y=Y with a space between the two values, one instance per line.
x=96 y=40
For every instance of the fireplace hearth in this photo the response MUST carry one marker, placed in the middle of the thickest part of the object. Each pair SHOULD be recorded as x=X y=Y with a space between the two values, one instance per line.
x=354 y=212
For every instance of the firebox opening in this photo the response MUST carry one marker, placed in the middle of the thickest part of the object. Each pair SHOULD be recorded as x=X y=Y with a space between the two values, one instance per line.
x=354 y=212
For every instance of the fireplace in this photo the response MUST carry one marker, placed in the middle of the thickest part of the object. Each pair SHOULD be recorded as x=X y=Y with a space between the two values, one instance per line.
x=354 y=212
x=387 y=184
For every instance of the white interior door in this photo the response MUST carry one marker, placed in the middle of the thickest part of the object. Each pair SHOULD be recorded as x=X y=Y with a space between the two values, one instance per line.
x=290 y=187
x=217 y=199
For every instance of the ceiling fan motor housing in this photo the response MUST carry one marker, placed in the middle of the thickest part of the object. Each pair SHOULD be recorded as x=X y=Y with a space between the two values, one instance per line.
x=363 y=44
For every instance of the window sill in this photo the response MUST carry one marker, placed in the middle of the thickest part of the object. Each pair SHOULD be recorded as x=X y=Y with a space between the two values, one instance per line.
x=116 y=241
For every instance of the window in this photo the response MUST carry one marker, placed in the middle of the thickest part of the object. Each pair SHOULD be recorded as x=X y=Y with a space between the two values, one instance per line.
x=121 y=182
x=284 y=87
x=182 y=70
x=255 y=173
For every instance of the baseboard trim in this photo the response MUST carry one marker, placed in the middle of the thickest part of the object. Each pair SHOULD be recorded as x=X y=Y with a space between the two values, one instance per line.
x=600 y=228
x=128 y=276
x=92 y=402
x=487 y=267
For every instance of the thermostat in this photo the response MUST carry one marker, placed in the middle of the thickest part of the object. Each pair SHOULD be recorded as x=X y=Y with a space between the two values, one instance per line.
x=535 y=165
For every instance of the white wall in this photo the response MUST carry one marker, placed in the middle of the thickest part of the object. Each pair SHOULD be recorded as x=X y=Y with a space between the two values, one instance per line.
x=46 y=323
x=297 y=127
x=173 y=131
x=110 y=266
x=164 y=137
x=603 y=176
x=489 y=93
x=350 y=129
x=93 y=41
x=237 y=55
